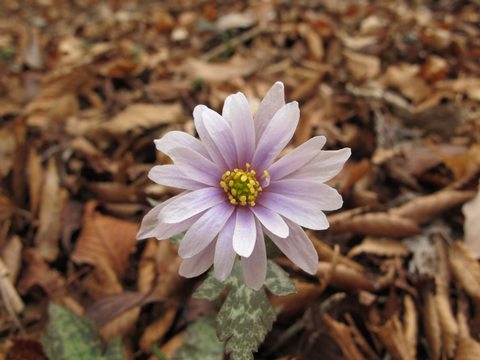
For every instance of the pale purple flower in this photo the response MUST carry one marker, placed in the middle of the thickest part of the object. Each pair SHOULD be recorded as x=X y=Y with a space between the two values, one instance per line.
x=236 y=191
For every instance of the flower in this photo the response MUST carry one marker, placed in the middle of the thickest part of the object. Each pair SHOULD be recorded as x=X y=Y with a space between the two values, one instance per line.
x=236 y=191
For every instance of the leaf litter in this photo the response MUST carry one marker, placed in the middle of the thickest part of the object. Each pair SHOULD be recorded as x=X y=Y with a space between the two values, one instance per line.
x=83 y=98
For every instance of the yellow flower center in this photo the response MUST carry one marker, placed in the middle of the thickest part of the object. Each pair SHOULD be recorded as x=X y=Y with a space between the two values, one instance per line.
x=242 y=186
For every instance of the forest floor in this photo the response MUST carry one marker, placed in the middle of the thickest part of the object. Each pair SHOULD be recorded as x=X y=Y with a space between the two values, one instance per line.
x=85 y=88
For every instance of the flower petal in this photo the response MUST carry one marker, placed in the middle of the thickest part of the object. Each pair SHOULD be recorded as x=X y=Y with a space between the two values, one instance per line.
x=295 y=159
x=176 y=139
x=196 y=166
x=244 y=234
x=221 y=134
x=191 y=204
x=224 y=253
x=323 y=196
x=206 y=138
x=298 y=248
x=271 y=220
x=271 y=103
x=324 y=166
x=304 y=213
x=199 y=263
x=170 y=175
x=237 y=112
x=204 y=230
x=255 y=266
x=153 y=227
x=277 y=134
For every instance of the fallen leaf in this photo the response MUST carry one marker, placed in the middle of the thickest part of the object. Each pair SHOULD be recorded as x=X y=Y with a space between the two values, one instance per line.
x=8 y=145
x=361 y=66
x=471 y=226
x=52 y=201
x=342 y=334
x=157 y=330
x=406 y=78
x=381 y=247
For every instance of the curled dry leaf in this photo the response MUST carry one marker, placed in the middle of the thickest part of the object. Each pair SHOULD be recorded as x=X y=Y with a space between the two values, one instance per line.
x=52 y=201
x=293 y=304
x=38 y=273
x=121 y=325
x=221 y=72
x=377 y=224
x=381 y=247
x=346 y=278
x=362 y=66
x=140 y=117
x=424 y=208
x=8 y=145
x=12 y=257
x=410 y=325
x=391 y=335
x=406 y=78
x=465 y=268
x=105 y=240
x=468 y=349
x=431 y=325
x=471 y=227
x=157 y=330
x=35 y=178
x=9 y=295
x=147 y=267
x=342 y=335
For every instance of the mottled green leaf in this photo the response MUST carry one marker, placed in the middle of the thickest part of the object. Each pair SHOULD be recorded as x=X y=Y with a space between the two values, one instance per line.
x=210 y=288
x=245 y=318
x=71 y=337
x=278 y=281
x=201 y=342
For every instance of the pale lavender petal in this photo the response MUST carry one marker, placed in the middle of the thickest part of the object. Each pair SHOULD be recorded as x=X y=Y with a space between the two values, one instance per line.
x=191 y=204
x=221 y=133
x=255 y=266
x=170 y=175
x=271 y=103
x=298 y=157
x=298 y=248
x=206 y=138
x=224 y=253
x=153 y=227
x=304 y=213
x=271 y=220
x=205 y=230
x=237 y=112
x=244 y=233
x=277 y=134
x=176 y=139
x=324 y=166
x=324 y=197
x=199 y=263
x=196 y=166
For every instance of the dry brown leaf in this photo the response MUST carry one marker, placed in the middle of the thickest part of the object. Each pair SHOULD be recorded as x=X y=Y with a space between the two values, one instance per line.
x=52 y=201
x=362 y=66
x=157 y=330
x=468 y=349
x=448 y=324
x=345 y=277
x=431 y=324
x=293 y=304
x=121 y=325
x=105 y=240
x=221 y=72
x=393 y=338
x=377 y=224
x=102 y=281
x=342 y=335
x=9 y=295
x=313 y=39
x=405 y=78
x=35 y=179
x=465 y=269
x=471 y=226
x=424 y=208
x=8 y=145
x=12 y=257
x=141 y=117
x=172 y=345
x=147 y=267
x=381 y=247
x=38 y=273
x=410 y=325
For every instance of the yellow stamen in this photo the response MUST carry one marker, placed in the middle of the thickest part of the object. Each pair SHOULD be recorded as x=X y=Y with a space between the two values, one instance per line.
x=241 y=186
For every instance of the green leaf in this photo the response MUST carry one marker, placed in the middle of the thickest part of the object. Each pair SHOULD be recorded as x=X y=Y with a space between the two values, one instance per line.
x=278 y=281
x=210 y=288
x=244 y=319
x=71 y=337
x=201 y=342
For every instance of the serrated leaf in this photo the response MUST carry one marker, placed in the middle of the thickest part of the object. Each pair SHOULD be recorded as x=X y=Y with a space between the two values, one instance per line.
x=278 y=281
x=201 y=342
x=71 y=337
x=209 y=289
x=244 y=319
